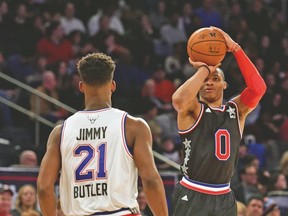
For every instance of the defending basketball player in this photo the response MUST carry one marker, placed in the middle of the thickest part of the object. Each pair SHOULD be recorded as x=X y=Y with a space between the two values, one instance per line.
x=211 y=133
x=99 y=151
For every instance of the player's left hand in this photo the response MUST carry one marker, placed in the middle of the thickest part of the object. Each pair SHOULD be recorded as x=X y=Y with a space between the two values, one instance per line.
x=197 y=65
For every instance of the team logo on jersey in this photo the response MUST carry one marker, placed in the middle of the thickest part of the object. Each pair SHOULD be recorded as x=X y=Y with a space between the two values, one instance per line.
x=208 y=110
x=92 y=119
x=185 y=198
x=231 y=112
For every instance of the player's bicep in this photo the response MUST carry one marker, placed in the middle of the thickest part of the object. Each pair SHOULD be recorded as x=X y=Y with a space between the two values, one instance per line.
x=187 y=119
x=51 y=162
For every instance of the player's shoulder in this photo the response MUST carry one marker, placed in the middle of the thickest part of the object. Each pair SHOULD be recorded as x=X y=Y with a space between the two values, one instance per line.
x=136 y=123
x=57 y=130
x=135 y=120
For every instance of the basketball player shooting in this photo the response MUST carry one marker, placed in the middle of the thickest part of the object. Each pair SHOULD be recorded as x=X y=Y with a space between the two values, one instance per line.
x=99 y=151
x=211 y=133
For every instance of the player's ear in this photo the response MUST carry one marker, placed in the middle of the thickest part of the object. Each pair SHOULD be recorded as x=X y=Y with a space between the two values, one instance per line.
x=225 y=85
x=113 y=86
x=81 y=86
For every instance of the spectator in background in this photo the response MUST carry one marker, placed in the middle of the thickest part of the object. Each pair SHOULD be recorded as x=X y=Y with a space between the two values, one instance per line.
x=158 y=16
x=208 y=15
x=241 y=208
x=272 y=209
x=257 y=149
x=149 y=113
x=80 y=44
x=248 y=184
x=39 y=67
x=257 y=18
x=171 y=32
x=27 y=158
x=47 y=109
x=19 y=30
x=277 y=182
x=284 y=164
x=255 y=206
x=167 y=121
x=169 y=150
x=148 y=92
x=69 y=22
x=72 y=95
x=4 y=11
x=109 y=9
x=164 y=88
x=26 y=202
x=6 y=195
x=55 y=47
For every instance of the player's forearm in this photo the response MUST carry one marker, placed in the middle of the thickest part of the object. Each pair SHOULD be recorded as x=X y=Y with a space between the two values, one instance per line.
x=187 y=92
x=155 y=194
x=256 y=86
x=47 y=202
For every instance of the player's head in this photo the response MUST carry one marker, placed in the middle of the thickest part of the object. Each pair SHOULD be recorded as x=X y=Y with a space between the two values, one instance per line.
x=213 y=86
x=96 y=69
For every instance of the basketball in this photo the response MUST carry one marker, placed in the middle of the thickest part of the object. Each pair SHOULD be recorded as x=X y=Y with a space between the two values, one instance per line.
x=206 y=45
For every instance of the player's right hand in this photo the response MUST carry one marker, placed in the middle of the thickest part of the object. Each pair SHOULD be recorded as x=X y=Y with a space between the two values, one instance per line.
x=230 y=43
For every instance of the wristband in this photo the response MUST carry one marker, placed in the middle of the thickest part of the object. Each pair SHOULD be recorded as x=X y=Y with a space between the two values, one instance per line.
x=234 y=46
x=206 y=68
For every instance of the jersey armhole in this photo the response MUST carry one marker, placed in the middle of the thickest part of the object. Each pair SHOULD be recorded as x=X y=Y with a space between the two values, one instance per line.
x=62 y=134
x=128 y=149
x=237 y=114
x=195 y=124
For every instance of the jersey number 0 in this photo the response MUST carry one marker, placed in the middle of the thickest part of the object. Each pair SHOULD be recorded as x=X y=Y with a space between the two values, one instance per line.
x=222 y=144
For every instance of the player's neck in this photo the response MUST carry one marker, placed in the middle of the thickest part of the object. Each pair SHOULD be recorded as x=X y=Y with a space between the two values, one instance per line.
x=97 y=102
x=213 y=104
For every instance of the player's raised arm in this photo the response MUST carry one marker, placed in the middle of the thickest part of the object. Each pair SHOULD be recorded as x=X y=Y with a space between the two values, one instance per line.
x=138 y=134
x=185 y=99
x=256 y=86
x=48 y=174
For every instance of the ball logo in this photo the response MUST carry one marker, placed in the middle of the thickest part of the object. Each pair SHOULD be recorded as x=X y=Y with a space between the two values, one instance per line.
x=212 y=34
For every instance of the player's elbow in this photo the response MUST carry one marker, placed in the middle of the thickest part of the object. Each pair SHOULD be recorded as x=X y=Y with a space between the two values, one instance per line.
x=151 y=181
x=177 y=102
x=262 y=88
x=43 y=187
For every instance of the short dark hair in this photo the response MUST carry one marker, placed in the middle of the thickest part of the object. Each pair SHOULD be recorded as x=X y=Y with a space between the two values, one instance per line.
x=96 y=69
x=255 y=197
x=51 y=27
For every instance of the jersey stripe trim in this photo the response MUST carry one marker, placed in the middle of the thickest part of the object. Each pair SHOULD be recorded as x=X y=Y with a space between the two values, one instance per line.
x=127 y=148
x=195 y=124
x=211 y=189
x=116 y=212
x=240 y=130
x=62 y=133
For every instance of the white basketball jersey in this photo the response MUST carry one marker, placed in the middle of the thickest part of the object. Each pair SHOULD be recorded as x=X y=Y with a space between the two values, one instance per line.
x=98 y=172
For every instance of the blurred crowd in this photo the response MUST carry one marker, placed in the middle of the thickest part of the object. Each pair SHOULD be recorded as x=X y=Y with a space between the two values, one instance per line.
x=41 y=42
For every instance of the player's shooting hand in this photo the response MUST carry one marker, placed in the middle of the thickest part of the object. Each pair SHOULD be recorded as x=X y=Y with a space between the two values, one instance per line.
x=197 y=65
x=230 y=43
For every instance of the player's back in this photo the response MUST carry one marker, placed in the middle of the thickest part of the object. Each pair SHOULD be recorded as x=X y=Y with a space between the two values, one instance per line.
x=98 y=172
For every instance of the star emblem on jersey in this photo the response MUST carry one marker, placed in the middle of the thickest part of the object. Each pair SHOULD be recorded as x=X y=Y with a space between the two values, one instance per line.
x=184 y=169
x=187 y=153
x=187 y=143
x=231 y=112
x=92 y=119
